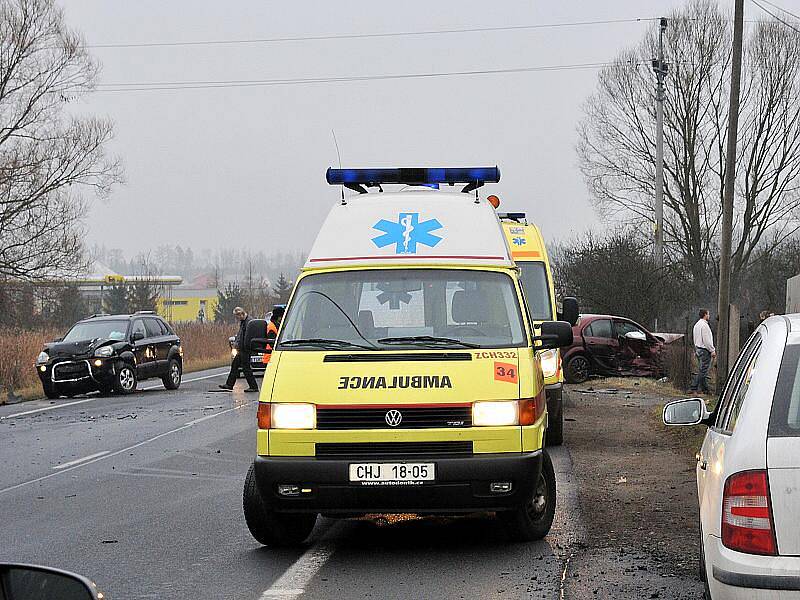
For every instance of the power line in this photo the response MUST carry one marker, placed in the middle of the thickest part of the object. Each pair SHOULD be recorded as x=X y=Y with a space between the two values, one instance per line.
x=769 y=12
x=196 y=85
x=349 y=36
x=780 y=8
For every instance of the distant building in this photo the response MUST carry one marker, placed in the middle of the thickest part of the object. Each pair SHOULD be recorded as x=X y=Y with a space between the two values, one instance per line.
x=189 y=304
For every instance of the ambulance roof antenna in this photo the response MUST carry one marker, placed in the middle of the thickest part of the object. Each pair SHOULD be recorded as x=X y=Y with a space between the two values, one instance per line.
x=340 y=160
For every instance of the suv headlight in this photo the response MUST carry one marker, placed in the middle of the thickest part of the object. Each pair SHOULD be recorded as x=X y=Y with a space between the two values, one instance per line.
x=42 y=358
x=104 y=351
x=549 y=362
x=293 y=416
x=495 y=413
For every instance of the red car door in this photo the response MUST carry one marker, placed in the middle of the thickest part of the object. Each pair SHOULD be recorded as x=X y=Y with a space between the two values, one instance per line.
x=601 y=345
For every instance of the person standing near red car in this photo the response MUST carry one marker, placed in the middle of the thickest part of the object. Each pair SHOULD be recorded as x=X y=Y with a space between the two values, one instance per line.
x=703 y=339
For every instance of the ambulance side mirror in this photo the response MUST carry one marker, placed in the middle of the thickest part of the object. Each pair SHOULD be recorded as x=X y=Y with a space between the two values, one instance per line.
x=554 y=334
x=569 y=310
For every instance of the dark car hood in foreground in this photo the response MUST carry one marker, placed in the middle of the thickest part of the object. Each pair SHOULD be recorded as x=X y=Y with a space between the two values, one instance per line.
x=76 y=349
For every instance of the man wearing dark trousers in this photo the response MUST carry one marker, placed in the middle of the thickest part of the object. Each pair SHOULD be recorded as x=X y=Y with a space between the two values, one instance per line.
x=242 y=358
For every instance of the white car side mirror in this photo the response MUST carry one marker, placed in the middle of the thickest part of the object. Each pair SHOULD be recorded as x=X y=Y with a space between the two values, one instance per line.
x=691 y=411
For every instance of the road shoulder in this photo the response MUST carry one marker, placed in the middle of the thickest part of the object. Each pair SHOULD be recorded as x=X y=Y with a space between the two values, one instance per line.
x=637 y=496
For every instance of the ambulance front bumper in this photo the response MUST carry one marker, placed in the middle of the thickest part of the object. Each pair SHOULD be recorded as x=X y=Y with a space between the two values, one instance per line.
x=462 y=485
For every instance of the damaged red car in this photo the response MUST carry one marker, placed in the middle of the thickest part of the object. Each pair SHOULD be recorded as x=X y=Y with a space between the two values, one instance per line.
x=615 y=346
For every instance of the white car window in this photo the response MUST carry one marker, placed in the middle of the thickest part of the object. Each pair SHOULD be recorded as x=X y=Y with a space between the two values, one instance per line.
x=723 y=408
x=741 y=390
x=785 y=417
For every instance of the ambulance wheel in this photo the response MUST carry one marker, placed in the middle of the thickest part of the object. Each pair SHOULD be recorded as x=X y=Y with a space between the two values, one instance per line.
x=533 y=520
x=269 y=528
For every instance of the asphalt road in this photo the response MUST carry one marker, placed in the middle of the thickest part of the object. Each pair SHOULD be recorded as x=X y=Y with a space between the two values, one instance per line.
x=143 y=495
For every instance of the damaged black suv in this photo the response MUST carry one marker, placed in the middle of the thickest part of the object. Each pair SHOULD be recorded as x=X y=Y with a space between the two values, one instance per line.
x=111 y=353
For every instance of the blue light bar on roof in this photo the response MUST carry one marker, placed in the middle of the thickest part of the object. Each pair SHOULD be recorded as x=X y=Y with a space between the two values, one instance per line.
x=413 y=176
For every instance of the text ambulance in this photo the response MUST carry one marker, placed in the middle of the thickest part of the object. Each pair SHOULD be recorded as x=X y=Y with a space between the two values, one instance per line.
x=405 y=378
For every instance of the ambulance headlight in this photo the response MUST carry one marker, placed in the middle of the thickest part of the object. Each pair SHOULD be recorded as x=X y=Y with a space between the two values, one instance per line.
x=293 y=416
x=495 y=413
x=549 y=362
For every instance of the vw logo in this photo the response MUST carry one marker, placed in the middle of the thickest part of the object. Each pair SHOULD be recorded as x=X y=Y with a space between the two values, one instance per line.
x=393 y=418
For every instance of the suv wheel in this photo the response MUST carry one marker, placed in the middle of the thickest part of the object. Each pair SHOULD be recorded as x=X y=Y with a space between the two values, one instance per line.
x=172 y=380
x=269 y=528
x=50 y=391
x=533 y=520
x=125 y=380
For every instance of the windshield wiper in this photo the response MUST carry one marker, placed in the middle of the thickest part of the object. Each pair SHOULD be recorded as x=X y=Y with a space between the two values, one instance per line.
x=426 y=339
x=324 y=342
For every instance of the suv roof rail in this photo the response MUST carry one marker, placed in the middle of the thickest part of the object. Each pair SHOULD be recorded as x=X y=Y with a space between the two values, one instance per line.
x=519 y=217
x=97 y=315
x=145 y=312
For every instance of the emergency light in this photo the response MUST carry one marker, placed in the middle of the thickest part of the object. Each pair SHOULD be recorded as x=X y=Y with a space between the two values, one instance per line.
x=413 y=176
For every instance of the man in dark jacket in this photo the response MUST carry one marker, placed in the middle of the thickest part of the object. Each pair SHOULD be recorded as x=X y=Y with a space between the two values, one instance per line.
x=242 y=358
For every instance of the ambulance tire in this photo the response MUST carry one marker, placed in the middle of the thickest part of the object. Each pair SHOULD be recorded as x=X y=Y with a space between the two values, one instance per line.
x=269 y=528
x=555 y=428
x=533 y=521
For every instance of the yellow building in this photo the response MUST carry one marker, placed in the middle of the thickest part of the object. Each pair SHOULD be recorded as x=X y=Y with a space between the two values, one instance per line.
x=186 y=305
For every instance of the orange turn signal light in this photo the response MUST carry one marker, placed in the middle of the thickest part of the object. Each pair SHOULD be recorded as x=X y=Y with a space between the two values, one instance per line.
x=264 y=414
x=531 y=409
x=493 y=200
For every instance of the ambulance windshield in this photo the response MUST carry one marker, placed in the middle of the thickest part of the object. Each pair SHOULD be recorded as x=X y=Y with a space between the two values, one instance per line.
x=390 y=309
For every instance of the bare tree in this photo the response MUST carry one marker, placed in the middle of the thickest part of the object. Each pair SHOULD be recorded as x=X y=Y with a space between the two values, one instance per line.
x=47 y=156
x=617 y=139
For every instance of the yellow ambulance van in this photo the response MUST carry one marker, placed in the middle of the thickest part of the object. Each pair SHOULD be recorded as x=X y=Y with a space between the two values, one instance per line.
x=406 y=375
x=529 y=252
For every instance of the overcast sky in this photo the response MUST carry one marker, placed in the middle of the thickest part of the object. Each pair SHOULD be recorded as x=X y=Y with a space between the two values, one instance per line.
x=244 y=166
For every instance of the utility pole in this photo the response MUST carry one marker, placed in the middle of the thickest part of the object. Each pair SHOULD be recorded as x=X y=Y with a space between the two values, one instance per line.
x=660 y=69
x=723 y=358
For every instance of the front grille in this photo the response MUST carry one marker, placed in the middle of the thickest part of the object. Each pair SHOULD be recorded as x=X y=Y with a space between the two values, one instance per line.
x=70 y=370
x=411 y=417
x=393 y=449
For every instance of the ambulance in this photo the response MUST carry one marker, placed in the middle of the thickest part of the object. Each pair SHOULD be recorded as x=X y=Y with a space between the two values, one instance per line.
x=406 y=376
x=530 y=254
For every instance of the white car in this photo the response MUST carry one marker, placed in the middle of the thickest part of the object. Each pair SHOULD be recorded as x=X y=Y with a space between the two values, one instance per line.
x=748 y=469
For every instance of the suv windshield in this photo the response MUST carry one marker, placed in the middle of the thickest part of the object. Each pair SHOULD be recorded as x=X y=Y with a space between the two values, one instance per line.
x=386 y=309
x=537 y=290
x=90 y=330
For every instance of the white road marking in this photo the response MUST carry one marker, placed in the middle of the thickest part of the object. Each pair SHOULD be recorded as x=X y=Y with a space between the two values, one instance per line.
x=80 y=460
x=116 y=453
x=292 y=583
x=152 y=387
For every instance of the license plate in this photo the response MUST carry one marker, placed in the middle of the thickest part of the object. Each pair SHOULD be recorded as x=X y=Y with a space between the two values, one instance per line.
x=255 y=359
x=392 y=473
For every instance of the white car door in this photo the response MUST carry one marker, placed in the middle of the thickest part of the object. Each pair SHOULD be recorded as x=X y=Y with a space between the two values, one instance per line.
x=783 y=453
x=712 y=468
